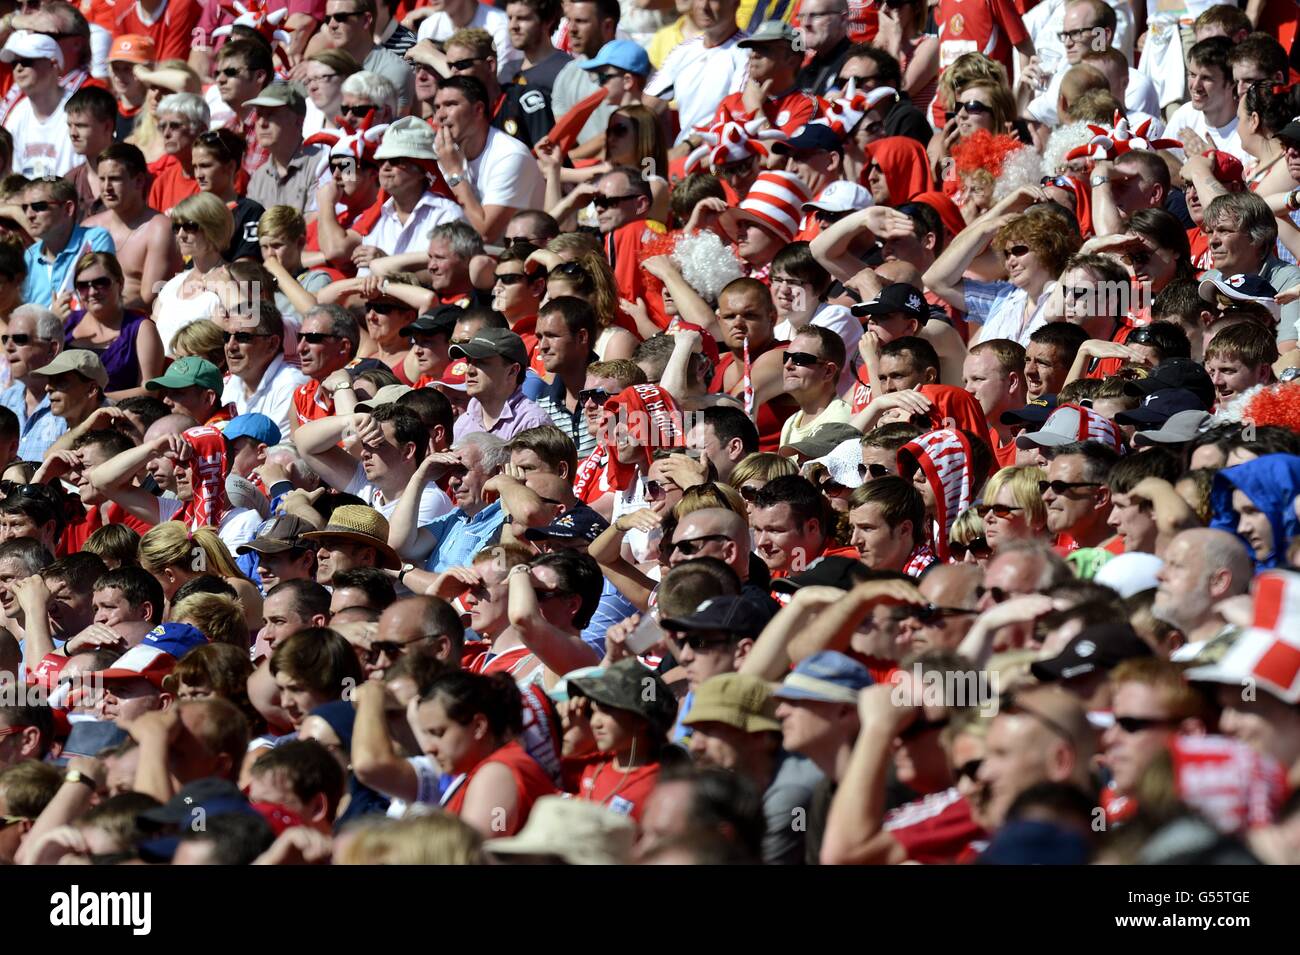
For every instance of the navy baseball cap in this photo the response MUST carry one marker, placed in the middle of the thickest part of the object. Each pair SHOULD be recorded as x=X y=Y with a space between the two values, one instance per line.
x=842 y=573
x=1176 y=373
x=1035 y=412
x=256 y=426
x=738 y=615
x=1159 y=406
x=1242 y=287
x=580 y=521
x=825 y=677
x=814 y=137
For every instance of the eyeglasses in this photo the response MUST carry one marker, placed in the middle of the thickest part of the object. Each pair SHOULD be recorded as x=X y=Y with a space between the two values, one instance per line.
x=510 y=242
x=873 y=471
x=694 y=545
x=609 y=202
x=213 y=141
x=387 y=308
x=243 y=338
x=1075 y=36
x=17 y=340
x=1136 y=724
x=656 y=490
x=230 y=72
x=511 y=278
x=316 y=338
x=40 y=205
x=749 y=492
x=340 y=17
x=1000 y=511
x=461 y=65
x=101 y=284
x=322 y=78
x=1019 y=251
x=968 y=770
x=1060 y=488
x=999 y=595
x=977 y=547
x=698 y=641
x=180 y=225
x=800 y=358
x=389 y=648
x=7 y=821
x=173 y=126
x=356 y=110
x=595 y=395
x=974 y=107
x=932 y=613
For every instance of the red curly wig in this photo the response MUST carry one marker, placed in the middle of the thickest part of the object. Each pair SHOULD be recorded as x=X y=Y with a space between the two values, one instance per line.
x=1275 y=405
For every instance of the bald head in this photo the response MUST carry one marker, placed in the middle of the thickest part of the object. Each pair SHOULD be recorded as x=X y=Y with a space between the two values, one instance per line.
x=717 y=532
x=896 y=270
x=1202 y=567
x=170 y=424
x=952 y=585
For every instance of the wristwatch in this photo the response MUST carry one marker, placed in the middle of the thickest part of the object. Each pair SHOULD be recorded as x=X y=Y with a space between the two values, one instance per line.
x=1099 y=180
x=77 y=776
x=401 y=574
x=456 y=180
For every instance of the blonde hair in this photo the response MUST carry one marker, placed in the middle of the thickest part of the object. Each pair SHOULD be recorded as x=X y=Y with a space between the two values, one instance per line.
x=146 y=135
x=201 y=339
x=171 y=544
x=597 y=284
x=968 y=526
x=210 y=214
x=475 y=39
x=966 y=70
x=282 y=222
x=704 y=496
x=219 y=616
x=762 y=466
x=436 y=839
x=1023 y=483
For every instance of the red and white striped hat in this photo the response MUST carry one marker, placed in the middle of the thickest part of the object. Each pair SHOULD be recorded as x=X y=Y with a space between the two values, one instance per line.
x=775 y=201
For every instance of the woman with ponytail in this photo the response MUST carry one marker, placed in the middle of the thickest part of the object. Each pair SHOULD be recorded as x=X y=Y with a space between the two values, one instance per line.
x=176 y=555
x=470 y=725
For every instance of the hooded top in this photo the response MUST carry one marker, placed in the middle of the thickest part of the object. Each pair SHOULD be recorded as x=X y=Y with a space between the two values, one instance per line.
x=905 y=166
x=652 y=420
x=1272 y=483
x=945 y=457
x=948 y=212
x=957 y=408
x=208 y=476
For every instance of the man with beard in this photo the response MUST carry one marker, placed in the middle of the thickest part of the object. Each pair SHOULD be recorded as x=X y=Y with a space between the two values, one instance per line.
x=1202 y=567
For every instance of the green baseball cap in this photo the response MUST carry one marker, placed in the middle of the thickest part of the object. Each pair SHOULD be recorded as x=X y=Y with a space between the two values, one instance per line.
x=187 y=372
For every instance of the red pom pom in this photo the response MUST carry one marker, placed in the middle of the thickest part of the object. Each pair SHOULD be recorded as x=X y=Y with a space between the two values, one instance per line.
x=1277 y=405
x=983 y=150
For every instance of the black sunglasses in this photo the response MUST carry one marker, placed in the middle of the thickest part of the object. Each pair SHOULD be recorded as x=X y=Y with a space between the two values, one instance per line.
x=873 y=471
x=511 y=278
x=180 y=226
x=1061 y=488
x=698 y=641
x=1136 y=724
x=800 y=358
x=570 y=270
x=929 y=613
x=1060 y=182
x=1002 y=511
x=656 y=490
x=968 y=770
x=696 y=544
x=230 y=72
x=597 y=395
x=465 y=64
x=387 y=308
x=40 y=205
x=340 y=17
x=243 y=338
x=999 y=595
x=977 y=547
x=749 y=493
x=356 y=110
x=511 y=241
x=316 y=338
x=101 y=284
x=16 y=339
x=1017 y=250
x=604 y=78
x=609 y=202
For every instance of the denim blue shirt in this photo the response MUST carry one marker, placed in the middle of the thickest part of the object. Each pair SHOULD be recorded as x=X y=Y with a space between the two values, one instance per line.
x=460 y=536
x=44 y=278
x=37 y=432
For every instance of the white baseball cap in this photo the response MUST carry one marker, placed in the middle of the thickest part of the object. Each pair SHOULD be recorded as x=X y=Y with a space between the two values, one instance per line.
x=26 y=45
x=840 y=196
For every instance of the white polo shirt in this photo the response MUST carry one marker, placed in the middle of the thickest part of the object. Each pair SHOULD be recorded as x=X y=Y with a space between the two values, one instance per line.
x=1223 y=137
x=699 y=78
x=273 y=396
x=396 y=237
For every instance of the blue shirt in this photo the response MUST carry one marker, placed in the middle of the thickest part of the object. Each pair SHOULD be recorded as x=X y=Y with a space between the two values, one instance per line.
x=38 y=432
x=613 y=607
x=460 y=536
x=44 y=277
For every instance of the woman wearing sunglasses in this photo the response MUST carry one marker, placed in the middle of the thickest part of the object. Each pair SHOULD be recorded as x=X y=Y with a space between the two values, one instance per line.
x=974 y=94
x=1013 y=508
x=166 y=78
x=127 y=342
x=586 y=274
x=202 y=225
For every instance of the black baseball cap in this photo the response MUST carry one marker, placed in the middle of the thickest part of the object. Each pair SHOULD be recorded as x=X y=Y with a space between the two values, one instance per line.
x=738 y=615
x=899 y=297
x=439 y=321
x=840 y=572
x=1035 y=412
x=1175 y=373
x=1101 y=647
x=1159 y=406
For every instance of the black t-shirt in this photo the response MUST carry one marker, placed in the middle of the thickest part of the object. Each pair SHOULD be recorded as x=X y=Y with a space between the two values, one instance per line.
x=821 y=73
x=542 y=76
x=525 y=113
x=906 y=120
x=243 y=241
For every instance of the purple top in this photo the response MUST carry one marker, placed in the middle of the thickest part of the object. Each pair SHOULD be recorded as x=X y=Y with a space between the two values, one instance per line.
x=119 y=358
